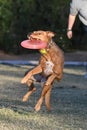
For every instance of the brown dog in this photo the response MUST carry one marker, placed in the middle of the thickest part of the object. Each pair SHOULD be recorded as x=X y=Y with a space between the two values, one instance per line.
x=50 y=68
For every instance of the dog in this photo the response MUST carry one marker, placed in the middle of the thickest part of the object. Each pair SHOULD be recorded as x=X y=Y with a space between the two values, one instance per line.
x=50 y=67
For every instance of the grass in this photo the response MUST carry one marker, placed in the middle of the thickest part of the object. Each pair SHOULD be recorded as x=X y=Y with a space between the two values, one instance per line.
x=68 y=101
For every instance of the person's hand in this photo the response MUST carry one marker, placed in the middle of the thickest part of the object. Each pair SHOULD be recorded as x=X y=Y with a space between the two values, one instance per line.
x=69 y=34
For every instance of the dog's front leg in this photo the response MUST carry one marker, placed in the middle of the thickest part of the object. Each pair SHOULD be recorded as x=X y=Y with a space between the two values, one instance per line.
x=34 y=71
x=46 y=91
x=50 y=79
x=32 y=89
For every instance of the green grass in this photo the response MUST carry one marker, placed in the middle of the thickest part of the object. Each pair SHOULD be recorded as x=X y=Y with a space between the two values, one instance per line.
x=68 y=102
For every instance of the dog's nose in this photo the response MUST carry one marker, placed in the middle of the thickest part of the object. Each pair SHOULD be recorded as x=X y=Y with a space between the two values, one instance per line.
x=28 y=35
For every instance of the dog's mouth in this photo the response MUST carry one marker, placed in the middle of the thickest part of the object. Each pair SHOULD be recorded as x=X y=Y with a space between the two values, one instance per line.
x=32 y=38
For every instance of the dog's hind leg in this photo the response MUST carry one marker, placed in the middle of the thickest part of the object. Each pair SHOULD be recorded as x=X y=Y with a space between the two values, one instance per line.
x=40 y=101
x=46 y=88
x=47 y=98
x=31 y=90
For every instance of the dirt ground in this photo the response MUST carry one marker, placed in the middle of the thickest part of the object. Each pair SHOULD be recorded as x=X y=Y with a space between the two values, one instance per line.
x=69 y=56
x=68 y=101
x=68 y=97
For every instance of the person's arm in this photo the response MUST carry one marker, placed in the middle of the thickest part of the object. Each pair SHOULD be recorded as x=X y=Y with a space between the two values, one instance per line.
x=71 y=21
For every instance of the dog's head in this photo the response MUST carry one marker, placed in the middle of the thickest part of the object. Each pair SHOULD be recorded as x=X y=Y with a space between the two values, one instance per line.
x=44 y=36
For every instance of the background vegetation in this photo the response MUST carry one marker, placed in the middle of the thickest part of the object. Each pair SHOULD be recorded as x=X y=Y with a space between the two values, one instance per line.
x=20 y=17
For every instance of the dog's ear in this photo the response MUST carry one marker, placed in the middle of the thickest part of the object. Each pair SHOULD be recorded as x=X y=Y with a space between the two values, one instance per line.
x=50 y=34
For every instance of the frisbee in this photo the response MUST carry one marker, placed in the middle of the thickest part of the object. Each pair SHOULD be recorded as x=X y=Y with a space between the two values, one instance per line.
x=33 y=44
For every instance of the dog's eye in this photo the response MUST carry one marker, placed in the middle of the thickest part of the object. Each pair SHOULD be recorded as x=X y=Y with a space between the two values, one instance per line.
x=39 y=33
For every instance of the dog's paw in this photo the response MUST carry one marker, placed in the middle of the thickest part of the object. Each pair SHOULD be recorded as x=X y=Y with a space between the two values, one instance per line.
x=37 y=107
x=25 y=98
x=23 y=81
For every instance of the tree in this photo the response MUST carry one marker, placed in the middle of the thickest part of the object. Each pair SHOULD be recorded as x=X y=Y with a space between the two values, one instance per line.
x=19 y=17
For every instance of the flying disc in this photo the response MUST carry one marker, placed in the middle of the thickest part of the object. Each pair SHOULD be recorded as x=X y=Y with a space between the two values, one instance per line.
x=33 y=44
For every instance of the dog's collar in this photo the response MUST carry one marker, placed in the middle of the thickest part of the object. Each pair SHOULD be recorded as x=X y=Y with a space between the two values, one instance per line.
x=43 y=51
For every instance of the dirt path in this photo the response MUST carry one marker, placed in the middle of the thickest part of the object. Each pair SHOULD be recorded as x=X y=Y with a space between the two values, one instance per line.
x=70 y=56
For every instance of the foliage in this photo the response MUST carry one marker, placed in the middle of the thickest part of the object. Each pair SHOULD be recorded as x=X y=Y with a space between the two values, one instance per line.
x=79 y=40
x=14 y=23
x=19 y=17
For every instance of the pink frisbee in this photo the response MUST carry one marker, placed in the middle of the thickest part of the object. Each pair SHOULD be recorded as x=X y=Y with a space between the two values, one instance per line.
x=33 y=44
